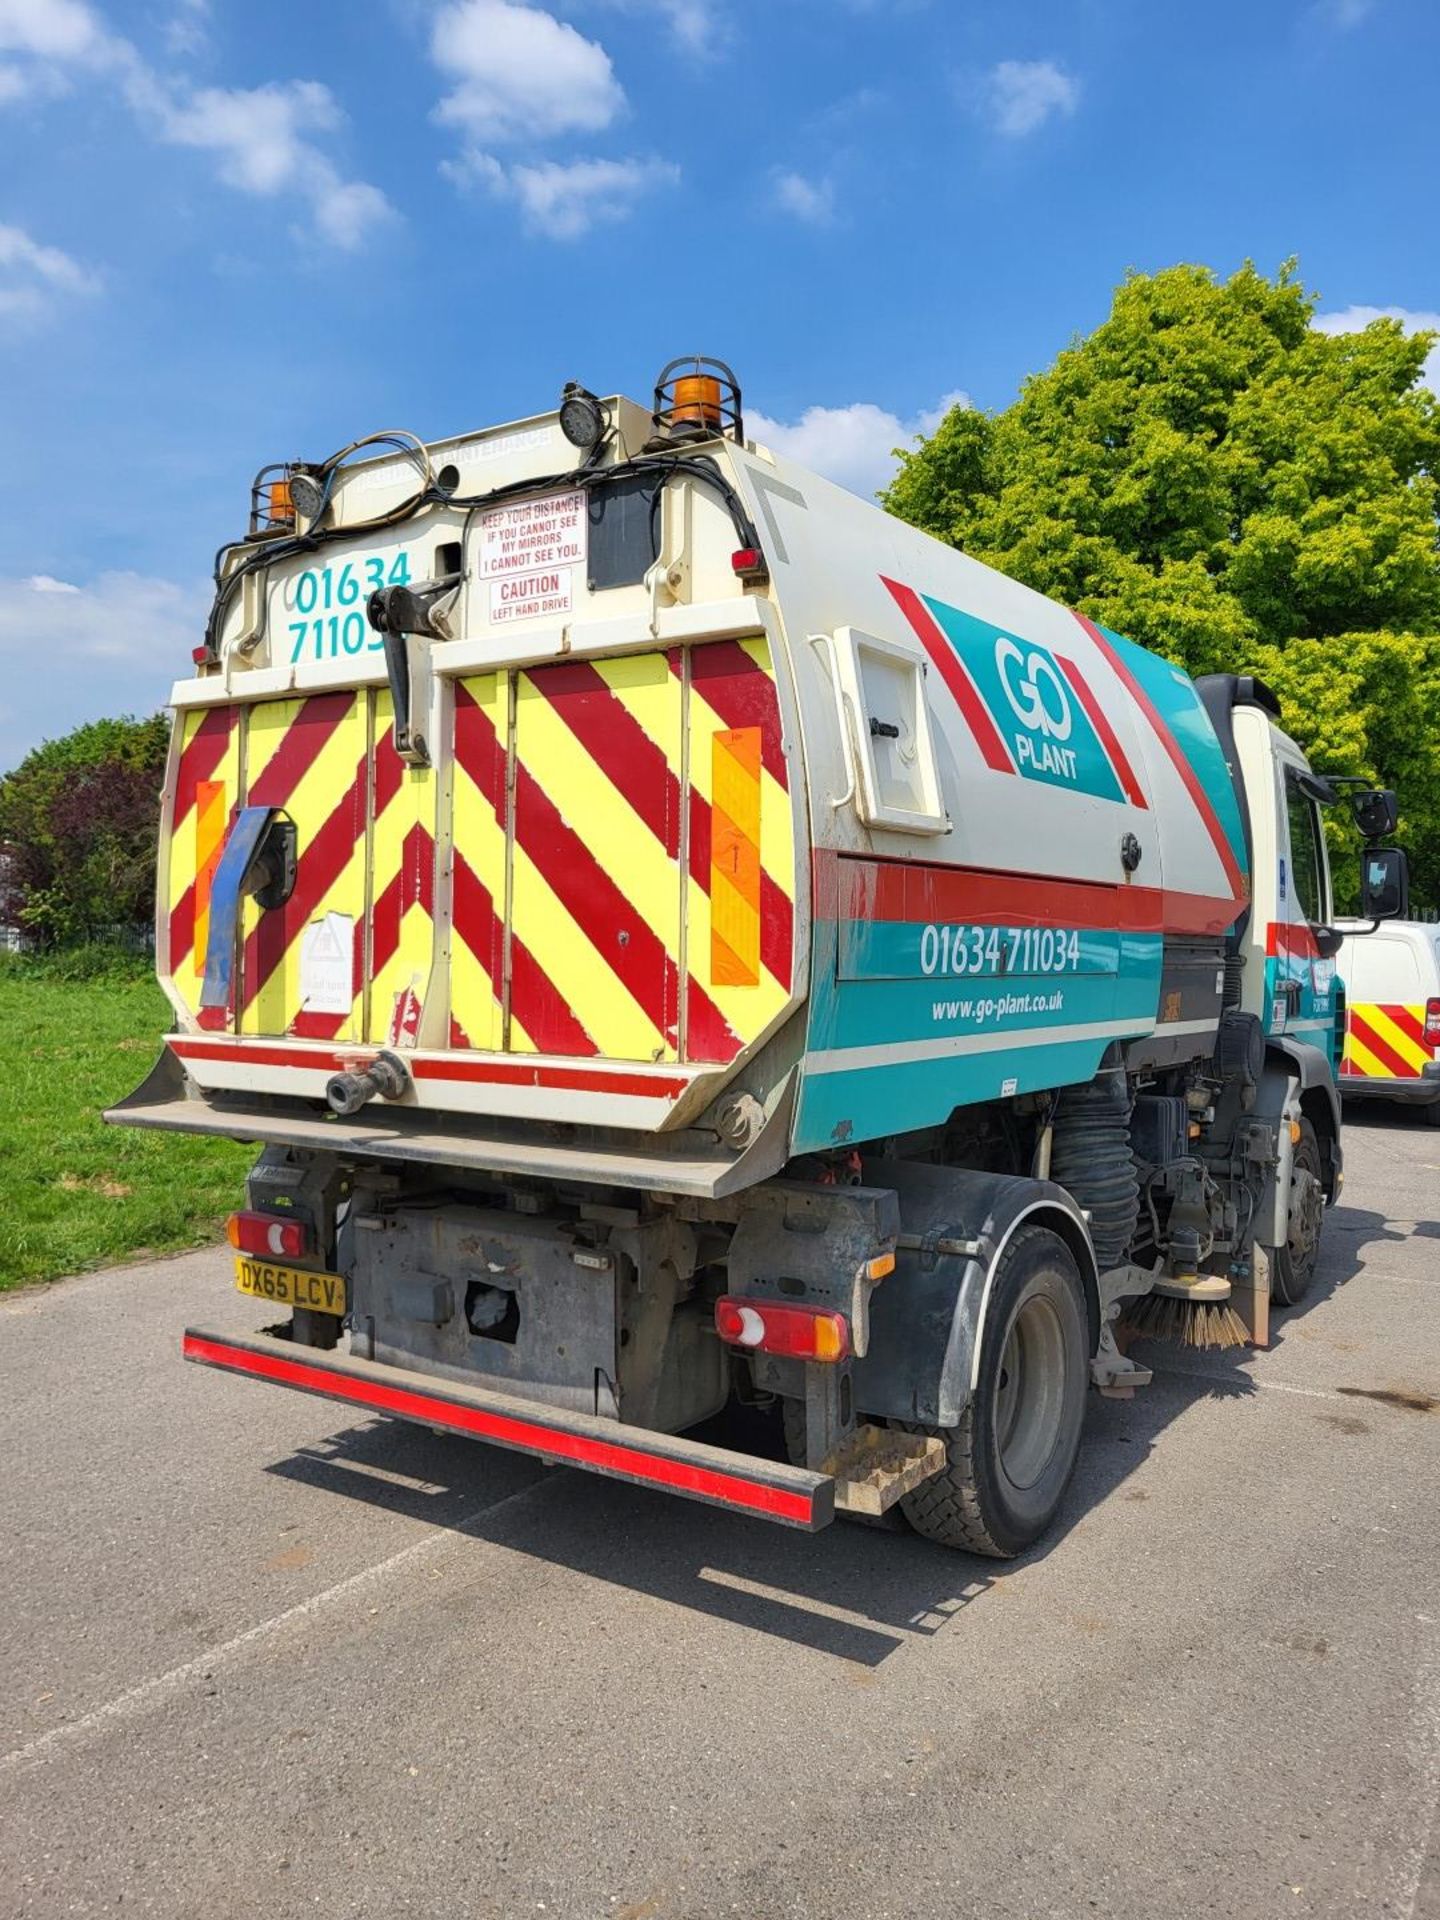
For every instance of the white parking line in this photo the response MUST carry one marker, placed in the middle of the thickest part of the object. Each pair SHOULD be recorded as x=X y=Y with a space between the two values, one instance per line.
x=124 y=1705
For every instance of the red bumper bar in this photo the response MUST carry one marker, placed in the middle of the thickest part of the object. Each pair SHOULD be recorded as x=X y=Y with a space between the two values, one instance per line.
x=764 y=1488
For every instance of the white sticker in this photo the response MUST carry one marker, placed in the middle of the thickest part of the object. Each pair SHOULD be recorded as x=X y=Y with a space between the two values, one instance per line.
x=526 y=596
x=534 y=535
x=327 y=965
x=1007 y=1087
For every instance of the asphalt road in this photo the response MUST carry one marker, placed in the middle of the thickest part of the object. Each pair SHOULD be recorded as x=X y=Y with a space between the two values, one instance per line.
x=262 y=1658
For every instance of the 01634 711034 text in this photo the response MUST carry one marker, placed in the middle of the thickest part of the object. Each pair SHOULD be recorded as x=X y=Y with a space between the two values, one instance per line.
x=327 y=605
x=998 y=950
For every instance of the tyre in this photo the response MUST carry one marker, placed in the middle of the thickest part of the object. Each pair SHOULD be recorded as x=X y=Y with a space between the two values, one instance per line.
x=1012 y=1455
x=1292 y=1267
x=1430 y=1115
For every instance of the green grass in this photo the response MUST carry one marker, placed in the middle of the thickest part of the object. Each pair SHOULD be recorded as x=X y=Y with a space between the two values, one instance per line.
x=76 y=1034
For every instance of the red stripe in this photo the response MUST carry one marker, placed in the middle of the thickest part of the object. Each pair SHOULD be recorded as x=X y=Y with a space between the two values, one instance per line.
x=478 y=749
x=1099 y=720
x=1233 y=876
x=522 y=1073
x=948 y=665
x=305 y=740
x=500 y=1073
x=869 y=889
x=630 y=1462
x=182 y=927
x=1291 y=938
x=1399 y=1066
x=743 y=695
x=200 y=758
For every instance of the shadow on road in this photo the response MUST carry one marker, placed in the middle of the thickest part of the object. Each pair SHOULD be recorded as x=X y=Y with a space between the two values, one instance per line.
x=859 y=1593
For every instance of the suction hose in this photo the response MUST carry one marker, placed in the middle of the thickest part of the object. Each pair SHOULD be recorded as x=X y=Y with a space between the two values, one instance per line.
x=1092 y=1160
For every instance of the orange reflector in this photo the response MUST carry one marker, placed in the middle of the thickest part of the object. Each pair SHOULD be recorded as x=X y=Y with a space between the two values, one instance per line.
x=877 y=1268
x=735 y=857
x=696 y=399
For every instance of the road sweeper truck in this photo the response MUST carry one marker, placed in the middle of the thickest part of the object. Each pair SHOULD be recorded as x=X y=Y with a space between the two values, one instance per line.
x=679 y=935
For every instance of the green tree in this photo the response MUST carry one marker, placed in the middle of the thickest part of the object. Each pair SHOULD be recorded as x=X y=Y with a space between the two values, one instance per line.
x=1211 y=476
x=78 y=821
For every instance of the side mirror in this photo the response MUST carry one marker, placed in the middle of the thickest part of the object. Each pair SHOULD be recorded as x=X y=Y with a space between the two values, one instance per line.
x=1376 y=811
x=1384 y=883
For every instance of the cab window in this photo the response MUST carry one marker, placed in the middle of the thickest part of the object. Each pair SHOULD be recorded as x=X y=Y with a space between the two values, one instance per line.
x=1307 y=861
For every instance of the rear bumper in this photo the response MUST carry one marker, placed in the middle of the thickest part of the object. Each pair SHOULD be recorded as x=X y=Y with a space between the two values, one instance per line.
x=762 y=1488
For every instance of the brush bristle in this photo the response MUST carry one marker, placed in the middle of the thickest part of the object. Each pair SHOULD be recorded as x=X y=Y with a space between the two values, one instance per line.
x=1188 y=1323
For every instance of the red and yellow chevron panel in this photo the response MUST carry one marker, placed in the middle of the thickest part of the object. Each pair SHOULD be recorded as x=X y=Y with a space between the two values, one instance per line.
x=312 y=757
x=400 y=937
x=732 y=699
x=1386 y=1043
x=599 y=938
x=207 y=787
x=477 y=863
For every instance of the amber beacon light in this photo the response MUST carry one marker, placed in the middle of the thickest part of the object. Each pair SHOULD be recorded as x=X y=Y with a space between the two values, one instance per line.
x=696 y=398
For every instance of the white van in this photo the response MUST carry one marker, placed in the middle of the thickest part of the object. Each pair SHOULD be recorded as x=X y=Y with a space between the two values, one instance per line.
x=1392 y=995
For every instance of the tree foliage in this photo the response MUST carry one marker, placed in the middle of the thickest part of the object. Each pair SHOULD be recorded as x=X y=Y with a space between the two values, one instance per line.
x=1210 y=475
x=77 y=831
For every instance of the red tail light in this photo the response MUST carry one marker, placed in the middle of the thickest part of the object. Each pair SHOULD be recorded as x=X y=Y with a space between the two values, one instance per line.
x=1432 y=1019
x=268 y=1233
x=803 y=1333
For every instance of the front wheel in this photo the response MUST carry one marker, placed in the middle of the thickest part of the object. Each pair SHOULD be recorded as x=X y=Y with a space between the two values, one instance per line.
x=1012 y=1455
x=1292 y=1267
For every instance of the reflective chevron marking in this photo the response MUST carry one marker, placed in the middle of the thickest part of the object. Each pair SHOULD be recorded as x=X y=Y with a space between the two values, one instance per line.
x=1386 y=1042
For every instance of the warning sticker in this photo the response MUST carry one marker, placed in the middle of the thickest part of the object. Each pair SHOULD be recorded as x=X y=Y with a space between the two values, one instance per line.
x=327 y=962
x=525 y=596
x=533 y=535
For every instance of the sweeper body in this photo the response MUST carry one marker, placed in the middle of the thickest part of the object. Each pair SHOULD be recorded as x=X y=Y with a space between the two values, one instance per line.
x=678 y=934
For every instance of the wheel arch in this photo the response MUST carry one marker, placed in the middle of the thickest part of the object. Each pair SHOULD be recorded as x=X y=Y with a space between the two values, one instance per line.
x=927 y=1320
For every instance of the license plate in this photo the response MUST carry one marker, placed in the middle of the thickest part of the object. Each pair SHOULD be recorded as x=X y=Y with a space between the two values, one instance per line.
x=290 y=1286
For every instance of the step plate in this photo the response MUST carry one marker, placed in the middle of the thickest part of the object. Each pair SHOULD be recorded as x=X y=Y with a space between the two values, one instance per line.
x=878 y=1464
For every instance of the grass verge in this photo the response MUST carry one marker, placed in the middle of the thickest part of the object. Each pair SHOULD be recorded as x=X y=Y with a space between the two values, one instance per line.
x=75 y=1036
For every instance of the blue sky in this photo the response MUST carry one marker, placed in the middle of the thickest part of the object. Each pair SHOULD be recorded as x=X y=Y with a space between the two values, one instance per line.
x=235 y=233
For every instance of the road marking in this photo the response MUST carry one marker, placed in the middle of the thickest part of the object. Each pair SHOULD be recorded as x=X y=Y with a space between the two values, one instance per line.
x=161 y=1685
x=1248 y=1380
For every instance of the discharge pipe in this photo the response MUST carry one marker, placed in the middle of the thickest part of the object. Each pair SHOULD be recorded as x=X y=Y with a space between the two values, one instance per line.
x=347 y=1093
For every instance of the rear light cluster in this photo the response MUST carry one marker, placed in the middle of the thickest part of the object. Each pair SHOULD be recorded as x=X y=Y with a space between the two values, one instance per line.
x=268 y=1233
x=801 y=1333
x=1432 y=1020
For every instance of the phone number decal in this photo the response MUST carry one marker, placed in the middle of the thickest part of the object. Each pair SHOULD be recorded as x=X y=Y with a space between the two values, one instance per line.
x=962 y=950
x=329 y=599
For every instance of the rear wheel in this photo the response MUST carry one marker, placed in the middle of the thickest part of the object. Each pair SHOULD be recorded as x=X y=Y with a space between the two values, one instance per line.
x=1431 y=1114
x=1012 y=1455
x=1293 y=1266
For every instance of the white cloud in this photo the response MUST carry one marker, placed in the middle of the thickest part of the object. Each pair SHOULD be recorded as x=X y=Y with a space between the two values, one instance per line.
x=51 y=29
x=33 y=275
x=1346 y=13
x=521 y=74
x=812 y=201
x=111 y=645
x=187 y=31
x=563 y=200
x=1355 y=319
x=1022 y=95
x=695 y=25
x=255 y=133
x=854 y=445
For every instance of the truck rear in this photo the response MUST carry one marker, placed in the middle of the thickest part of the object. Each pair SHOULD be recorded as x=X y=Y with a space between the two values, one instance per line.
x=677 y=934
